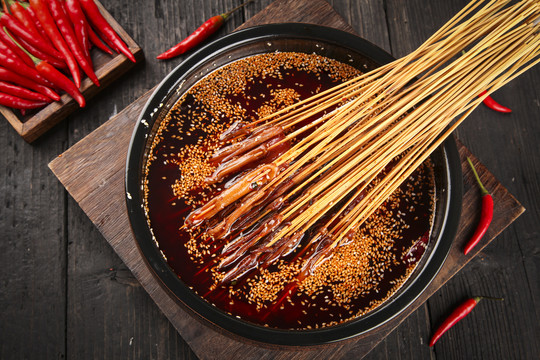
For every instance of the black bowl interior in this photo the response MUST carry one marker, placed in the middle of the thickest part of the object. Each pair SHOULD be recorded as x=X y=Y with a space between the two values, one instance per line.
x=324 y=41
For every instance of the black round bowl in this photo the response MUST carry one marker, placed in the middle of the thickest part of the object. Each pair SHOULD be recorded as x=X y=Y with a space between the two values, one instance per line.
x=324 y=41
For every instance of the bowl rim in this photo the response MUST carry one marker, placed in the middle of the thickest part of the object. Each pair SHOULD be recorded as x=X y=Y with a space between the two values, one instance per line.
x=211 y=314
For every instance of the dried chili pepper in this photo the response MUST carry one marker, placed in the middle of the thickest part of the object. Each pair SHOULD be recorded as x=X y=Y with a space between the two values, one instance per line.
x=21 y=92
x=80 y=24
x=18 y=29
x=18 y=103
x=94 y=16
x=60 y=80
x=12 y=77
x=459 y=313
x=486 y=214
x=493 y=105
x=49 y=25
x=209 y=27
x=64 y=25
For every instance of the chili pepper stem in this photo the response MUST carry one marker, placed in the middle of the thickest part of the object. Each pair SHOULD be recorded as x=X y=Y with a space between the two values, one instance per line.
x=228 y=13
x=483 y=189
x=478 y=298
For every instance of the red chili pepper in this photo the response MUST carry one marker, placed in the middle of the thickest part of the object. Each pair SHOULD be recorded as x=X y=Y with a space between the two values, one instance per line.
x=486 y=215
x=64 y=25
x=94 y=15
x=493 y=105
x=459 y=313
x=21 y=92
x=46 y=19
x=7 y=50
x=24 y=14
x=9 y=60
x=12 y=77
x=44 y=36
x=18 y=103
x=80 y=24
x=209 y=27
x=96 y=41
x=107 y=41
x=55 y=77
x=17 y=50
x=22 y=45
x=58 y=79
x=59 y=63
x=18 y=11
x=18 y=29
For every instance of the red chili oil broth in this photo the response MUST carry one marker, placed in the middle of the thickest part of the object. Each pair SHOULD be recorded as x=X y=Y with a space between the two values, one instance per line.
x=166 y=214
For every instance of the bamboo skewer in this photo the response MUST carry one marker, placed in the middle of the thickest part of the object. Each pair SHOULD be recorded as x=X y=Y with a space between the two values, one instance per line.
x=394 y=118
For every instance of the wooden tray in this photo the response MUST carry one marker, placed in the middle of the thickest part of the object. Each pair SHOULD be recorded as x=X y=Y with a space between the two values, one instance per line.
x=93 y=173
x=107 y=68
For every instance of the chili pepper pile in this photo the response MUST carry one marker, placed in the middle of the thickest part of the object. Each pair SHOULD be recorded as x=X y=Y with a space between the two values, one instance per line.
x=45 y=47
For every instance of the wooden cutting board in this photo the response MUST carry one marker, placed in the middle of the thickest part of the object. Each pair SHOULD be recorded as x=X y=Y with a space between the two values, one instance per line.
x=93 y=173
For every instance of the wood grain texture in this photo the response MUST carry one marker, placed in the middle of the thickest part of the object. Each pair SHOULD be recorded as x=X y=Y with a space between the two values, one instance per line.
x=61 y=300
x=496 y=139
x=32 y=249
x=80 y=168
x=107 y=68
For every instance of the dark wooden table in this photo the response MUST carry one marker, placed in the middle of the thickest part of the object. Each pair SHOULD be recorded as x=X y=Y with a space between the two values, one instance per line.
x=65 y=294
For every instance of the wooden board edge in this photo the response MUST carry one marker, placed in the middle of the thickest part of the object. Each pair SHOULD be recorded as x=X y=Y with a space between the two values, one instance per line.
x=57 y=165
x=272 y=8
x=12 y=119
x=53 y=114
x=464 y=152
x=512 y=209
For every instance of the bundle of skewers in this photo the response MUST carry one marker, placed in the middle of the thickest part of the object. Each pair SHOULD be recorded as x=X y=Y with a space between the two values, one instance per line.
x=327 y=176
